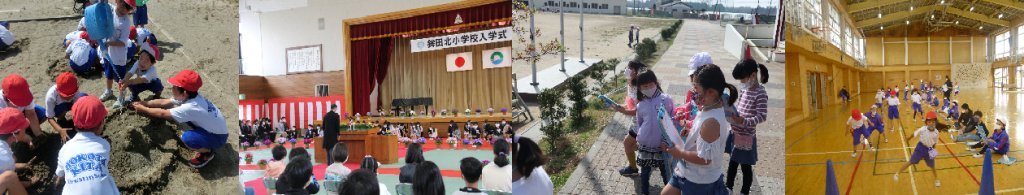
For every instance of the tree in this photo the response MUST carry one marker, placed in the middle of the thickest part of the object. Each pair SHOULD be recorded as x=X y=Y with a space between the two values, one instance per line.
x=520 y=25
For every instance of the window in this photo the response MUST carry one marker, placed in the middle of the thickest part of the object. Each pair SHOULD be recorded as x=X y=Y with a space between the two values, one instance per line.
x=593 y=5
x=848 y=40
x=1020 y=43
x=812 y=16
x=833 y=21
x=1020 y=77
x=1002 y=45
x=1000 y=77
x=604 y=6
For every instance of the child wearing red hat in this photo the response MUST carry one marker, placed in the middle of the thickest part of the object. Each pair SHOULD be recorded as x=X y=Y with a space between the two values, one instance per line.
x=876 y=123
x=144 y=68
x=59 y=99
x=16 y=94
x=11 y=122
x=82 y=162
x=916 y=104
x=855 y=125
x=116 y=56
x=928 y=136
x=894 y=109
x=209 y=129
x=80 y=52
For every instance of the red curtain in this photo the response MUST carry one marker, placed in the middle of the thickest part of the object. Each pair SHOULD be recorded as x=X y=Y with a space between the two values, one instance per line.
x=370 y=60
x=482 y=13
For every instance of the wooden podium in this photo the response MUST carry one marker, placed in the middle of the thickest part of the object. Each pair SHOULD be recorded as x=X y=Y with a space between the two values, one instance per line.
x=361 y=143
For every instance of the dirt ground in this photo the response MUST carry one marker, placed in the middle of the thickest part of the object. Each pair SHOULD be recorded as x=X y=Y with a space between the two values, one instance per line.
x=147 y=154
x=605 y=38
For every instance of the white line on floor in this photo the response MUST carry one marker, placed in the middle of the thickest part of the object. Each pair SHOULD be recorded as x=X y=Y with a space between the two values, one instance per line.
x=817 y=153
x=1004 y=191
x=5 y=11
x=913 y=184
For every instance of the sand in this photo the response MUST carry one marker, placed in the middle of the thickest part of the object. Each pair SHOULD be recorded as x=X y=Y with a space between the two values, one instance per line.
x=605 y=37
x=147 y=154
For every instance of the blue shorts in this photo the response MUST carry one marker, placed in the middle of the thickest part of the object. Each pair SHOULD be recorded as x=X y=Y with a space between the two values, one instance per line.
x=688 y=187
x=141 y=16
x=152 y=39
x=879 y=105
x=88 y=64
x=63 y=107
x=921 y=152
x=879 y=128
x=40 y=114
x=894 y=112
x=858 y=132
x=917 y=107
x=110 y=70
x=200 y=138
x=4 y=45
x=132 y=50
x=154 y=86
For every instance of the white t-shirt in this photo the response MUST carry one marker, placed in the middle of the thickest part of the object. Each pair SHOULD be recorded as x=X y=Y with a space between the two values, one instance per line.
x=879 y=97
x=496 y=178
x=926 y=137
x=79 y=50
x=201 y=112
x=916 y=98
x=537 y=184
x=856 y=123
x=383 y=189
x=74 y=35
x=122 y=28
x=53 y=99
x=83 y=164
x=6 y=157
x=142 y=33
x=6 y=36
x=149 y=75
x=893 y=101
x=4 y=104
x=81 y=23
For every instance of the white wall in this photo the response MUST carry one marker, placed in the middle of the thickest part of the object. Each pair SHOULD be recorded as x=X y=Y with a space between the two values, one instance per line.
x=610 y=10
x=289 y=24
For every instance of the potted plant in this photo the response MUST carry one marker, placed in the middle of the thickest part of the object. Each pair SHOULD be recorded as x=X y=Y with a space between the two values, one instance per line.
x=248 y=158
x=267 y=142
x=433 y=113
x=292 y=141
x=444 y=113
x=490 y=111
x=401 y=114
x=452 y=142
x=467 y=113
x=477 y=143
x=423 y=114
x=392 y=114
x=305 y=142
x=405 y=141
x=504 y=111
x=477 y=112
x=465 y=143
x=245 y=146
x=421 y=141
x=263 y=164
x=484 y=163
x=437 y=142
x=281 y=140
x=358 y=117
x=456 y=112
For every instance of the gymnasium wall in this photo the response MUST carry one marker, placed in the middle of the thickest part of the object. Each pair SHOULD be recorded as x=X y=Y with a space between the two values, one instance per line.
x=976 y=76
x=919 y=53
x=290 y=86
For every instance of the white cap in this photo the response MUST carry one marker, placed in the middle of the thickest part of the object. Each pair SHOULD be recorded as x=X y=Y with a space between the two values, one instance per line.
x=698 y=60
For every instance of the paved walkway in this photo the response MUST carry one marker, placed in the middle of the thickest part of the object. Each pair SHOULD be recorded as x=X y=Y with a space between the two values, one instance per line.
x=599 y=175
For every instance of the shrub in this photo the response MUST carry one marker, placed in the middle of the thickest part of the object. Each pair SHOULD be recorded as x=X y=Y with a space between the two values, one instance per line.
x=646 y=48
x=552 y=110
x=578 y=92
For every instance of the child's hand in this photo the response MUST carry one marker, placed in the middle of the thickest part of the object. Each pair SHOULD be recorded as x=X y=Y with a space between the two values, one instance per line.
x=64 y=135
x=121 y=85
x=138 y=106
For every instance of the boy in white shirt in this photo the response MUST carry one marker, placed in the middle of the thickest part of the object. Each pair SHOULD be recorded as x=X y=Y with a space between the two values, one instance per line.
x=209 y=129
x=82 y=162
x=6 y=37
x=471 y=170
x=146 y=36
x=116 y=59
x=80 y=52
x=928 y=136
x=879 y=97
x=894 y=110
x=916 y=99
x=59 y=100
x=855 y=125
x=144 y=68
x=16 y=94
x=11 y=122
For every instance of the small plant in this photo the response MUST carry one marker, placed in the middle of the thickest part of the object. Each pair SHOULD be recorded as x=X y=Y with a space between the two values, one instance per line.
x=267 y=142
x=490 y=110
x=433 y=113
x=444 y=112
x=484 y=163
x=421 y=141
x=467 y=112
x=292 y=141
x=262 y=162
x=257 y=144
x=248 y=158
x=646 y=48
x=245 y=146
x=306 y=142
x=438 y=142
x=281 y=140
x=504 y=110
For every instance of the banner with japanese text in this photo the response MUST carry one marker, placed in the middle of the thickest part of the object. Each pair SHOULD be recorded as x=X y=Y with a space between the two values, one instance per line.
x=462 y=39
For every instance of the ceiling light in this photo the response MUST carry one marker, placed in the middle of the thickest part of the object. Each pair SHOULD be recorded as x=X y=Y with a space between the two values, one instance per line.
x=911 y=8
x=908 y=21
x=882 y=28
x=943 y=1
x=933 y=16
x=972 y=8
x=957 y=22
x=879 y=14
x=979 y=27
x=1000 y=15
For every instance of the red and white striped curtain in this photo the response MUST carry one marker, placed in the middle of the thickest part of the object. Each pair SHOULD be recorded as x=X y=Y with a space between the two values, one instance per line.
x=251 y=109
x=303 y=111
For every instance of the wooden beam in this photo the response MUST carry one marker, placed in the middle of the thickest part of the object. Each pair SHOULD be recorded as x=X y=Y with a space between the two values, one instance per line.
x=903 y=15
x=1007 y=3
x=867 y=5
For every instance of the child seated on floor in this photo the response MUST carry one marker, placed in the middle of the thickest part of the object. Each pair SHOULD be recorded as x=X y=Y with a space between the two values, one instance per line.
x=999 y=141
x=11 y=122
x=471 y=171
x=338 y=171
x=975 y=123
x=945 y=105
x=148 y=80
x=954 y=111
x=81 y=52
x=82 y=162
x=59 y=100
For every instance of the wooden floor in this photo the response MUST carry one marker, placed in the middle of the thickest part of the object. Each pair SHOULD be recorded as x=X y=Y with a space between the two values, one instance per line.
x=820 y=137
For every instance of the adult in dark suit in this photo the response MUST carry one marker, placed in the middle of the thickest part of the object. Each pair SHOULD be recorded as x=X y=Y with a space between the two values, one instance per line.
x=332 y=123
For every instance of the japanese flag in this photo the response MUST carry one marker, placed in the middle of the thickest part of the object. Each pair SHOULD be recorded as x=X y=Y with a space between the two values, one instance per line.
x=460 y=61
x=497 y=57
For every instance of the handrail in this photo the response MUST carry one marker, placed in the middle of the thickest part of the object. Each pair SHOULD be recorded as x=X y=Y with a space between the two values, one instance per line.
x=756 y=51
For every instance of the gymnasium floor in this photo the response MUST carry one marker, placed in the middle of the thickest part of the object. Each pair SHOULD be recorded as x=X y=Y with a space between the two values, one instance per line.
x=821 y=137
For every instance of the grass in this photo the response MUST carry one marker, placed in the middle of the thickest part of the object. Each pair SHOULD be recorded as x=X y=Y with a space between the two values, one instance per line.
x=569 y=152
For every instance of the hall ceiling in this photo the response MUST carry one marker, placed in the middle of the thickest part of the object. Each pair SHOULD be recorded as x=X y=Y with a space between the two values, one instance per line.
x=984 y=16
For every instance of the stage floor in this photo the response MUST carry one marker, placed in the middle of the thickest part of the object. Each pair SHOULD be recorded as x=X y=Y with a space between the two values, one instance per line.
x=821 y=137
x=447 y=160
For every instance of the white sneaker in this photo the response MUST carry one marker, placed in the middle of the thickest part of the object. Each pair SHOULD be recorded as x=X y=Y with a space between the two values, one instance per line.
x=119 y=102
x=972 y=149
x=854 y=154
x=915 y=119
x=887 y=140
x=873 y=149
x=978 y=155
x=866 y=141
x=951 y=137
x=896 y=177
x=936 y=183
x=107 y=95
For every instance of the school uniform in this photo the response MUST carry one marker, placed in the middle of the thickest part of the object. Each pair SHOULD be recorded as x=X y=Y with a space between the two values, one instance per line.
x=83 y=164
x=875 y=122
x=209 y=130
x=151 y=84
x=927 y=140
x=40 y=111
x=6 y=38
x=894 y=111
x=878 y=99
x=56 y=105
x=954 y=112
x=82 y=56
x=916 y=99
x=116 y=59
x=143 y=33
x=859 y=129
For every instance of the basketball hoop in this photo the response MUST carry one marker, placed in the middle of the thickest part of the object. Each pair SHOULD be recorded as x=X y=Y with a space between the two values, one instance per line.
x=821 y=31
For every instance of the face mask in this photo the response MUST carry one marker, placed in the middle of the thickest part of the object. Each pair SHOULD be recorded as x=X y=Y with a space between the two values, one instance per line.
x=747 y=85
x=930 y=127
x=629 y=74
x=650 y=92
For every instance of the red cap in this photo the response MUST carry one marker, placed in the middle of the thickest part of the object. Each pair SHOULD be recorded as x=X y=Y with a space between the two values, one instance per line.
x=892 y=93
x=67 y=84
x=88 y=112
x=131 y=2
x=16 y=89
x=151 y=49
x=856 y=114
x=930 y=115
x=187 y=79
x=12 y=120
x=85 y=35
x=132 y=34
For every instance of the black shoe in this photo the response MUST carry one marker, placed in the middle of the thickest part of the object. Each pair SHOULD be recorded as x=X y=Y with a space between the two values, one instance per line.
x=201 y=159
